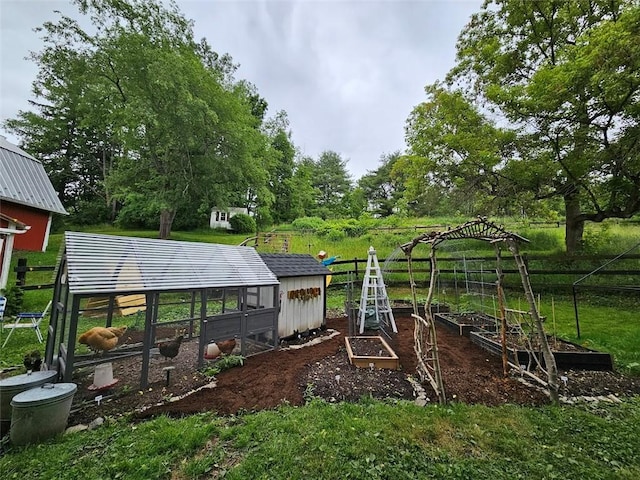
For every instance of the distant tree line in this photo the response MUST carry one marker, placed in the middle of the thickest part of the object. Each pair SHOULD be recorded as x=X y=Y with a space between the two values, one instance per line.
x=139 y=123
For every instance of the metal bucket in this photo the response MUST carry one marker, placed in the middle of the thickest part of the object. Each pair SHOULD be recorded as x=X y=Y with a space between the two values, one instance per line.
x=41 y=412
x=12 y=386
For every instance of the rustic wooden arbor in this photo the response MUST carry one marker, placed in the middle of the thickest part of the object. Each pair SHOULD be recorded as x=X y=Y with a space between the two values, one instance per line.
x=426 y=345
x=215 y=292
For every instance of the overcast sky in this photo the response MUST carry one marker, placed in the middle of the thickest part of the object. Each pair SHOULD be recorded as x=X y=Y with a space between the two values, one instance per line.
x=348 y=73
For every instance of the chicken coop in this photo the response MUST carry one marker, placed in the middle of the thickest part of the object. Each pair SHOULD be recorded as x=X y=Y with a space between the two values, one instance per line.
x=303 y=299
x=208 y=292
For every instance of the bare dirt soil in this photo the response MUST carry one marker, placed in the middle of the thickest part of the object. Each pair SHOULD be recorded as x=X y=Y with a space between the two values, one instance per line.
x=471 y=375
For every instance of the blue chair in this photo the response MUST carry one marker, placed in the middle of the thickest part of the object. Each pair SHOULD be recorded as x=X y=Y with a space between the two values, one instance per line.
x=3 y=304
x=27 y=320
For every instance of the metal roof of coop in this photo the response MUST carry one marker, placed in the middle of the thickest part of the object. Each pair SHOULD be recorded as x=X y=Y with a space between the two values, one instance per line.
x=102 y=264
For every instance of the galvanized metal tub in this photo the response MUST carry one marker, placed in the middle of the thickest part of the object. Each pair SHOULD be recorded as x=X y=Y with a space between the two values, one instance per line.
x=41 y=412
x=12 y=386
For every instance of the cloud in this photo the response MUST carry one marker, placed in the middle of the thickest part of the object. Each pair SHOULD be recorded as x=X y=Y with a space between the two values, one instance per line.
x=348 y=73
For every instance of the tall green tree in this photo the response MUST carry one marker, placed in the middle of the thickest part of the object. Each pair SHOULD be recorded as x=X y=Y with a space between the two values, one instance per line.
x=567 y=72
x=281 y=170
x=303 y=201
x=77 y=155
x=459 y=152
x=187 y=131
x=333 y=185
x=380 y=188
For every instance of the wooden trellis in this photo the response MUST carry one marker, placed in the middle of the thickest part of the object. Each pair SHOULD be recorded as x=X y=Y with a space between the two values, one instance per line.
x=425 y=341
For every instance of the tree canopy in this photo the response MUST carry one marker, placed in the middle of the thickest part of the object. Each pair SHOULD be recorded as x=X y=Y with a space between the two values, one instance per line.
x=560 y=78
x=179 y=130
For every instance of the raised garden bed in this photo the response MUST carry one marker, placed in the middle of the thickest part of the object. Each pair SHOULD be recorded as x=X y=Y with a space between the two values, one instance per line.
x=371 y=352
x=568 y=355
x=465 y=323
x=403 y=308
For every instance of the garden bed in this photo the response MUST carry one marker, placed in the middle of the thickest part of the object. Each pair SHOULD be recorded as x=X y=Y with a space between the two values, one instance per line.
x=403 y=308
x=470 y=373
x=568 y=355
x=465 y=323
x=371 y=352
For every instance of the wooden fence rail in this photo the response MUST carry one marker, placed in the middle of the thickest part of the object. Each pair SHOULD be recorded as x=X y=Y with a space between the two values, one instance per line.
x=585 y=264
x=21 y=275
x=357 y=266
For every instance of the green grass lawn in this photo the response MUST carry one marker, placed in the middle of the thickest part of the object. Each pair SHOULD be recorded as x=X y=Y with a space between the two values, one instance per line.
x=367 y=440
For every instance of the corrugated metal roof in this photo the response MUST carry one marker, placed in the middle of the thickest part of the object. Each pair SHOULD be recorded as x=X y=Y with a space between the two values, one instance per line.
x=294 y=265
x=109 y=263
x=24 y=181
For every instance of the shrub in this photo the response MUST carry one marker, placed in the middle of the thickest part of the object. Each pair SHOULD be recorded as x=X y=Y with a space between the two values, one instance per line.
x=333 y=234
x=312 y=224
x=138 y=212
x=350 y=228
x=14 y=295
x=242 y=223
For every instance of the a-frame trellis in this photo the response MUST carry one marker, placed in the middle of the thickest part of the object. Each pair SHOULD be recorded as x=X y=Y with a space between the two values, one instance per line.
x=374 y=296
x=426 y=345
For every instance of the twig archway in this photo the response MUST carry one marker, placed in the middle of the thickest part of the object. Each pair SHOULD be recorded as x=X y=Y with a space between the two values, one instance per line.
x=425 y=340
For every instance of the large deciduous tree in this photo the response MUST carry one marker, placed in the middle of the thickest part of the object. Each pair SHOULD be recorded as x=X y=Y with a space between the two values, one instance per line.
x=455 y=149
x=185 y=131
x=77 y=155
x=568 y=74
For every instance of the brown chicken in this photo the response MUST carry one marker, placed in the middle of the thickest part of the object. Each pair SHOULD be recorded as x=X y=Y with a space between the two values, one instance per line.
x=227 y=346
x=170 y=348
x=102 y=339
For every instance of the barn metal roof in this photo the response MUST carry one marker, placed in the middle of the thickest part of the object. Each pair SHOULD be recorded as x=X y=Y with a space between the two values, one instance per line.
x=110 y=264
x=24 y=181
x=294 y=265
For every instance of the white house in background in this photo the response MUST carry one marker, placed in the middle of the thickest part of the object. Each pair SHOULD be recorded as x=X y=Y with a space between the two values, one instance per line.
x=220 y=218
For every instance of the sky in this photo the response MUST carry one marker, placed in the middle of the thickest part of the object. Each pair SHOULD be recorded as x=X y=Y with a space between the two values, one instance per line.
x=348 y=73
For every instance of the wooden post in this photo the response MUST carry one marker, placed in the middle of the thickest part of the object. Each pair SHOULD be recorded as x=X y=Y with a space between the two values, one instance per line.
x=549 y=359
x=21 y=272
x=503 y=315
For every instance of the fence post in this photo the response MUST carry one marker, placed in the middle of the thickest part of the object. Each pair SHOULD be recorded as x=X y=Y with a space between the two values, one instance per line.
x=21 y=270
x=355 y=261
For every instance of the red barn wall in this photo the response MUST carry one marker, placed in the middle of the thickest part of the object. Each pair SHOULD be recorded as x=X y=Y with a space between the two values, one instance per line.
x=38 y=220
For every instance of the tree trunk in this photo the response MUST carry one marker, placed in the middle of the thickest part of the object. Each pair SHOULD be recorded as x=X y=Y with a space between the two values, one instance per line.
x=574 y=224
x=166 y=219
